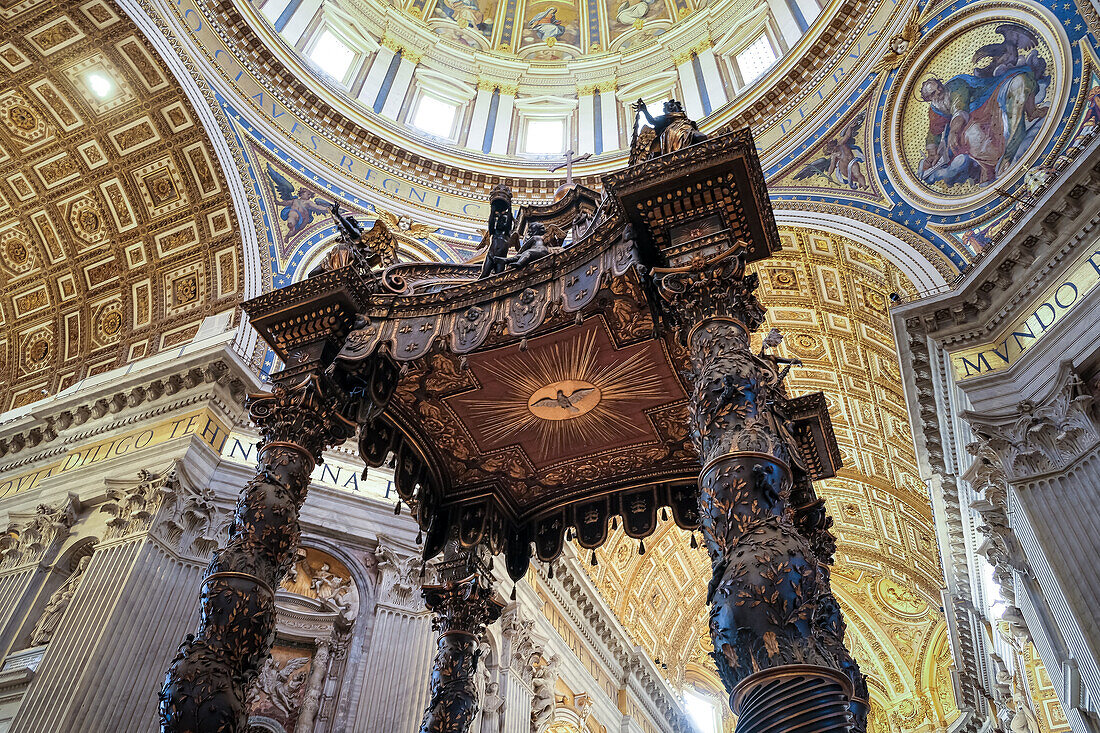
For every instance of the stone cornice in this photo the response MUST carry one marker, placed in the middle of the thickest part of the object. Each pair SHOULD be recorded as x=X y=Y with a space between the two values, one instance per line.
x=592 y=619
x=205 y=372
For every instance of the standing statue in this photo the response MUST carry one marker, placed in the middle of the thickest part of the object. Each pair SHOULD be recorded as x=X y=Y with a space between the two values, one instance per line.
x=1023 y=719
x=499 y=237
x=673 y=130
x=55 y=607
x=492 y=708
x=544 y=682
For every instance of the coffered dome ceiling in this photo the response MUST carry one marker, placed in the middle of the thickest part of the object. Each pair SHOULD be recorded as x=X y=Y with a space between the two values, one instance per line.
x=117 y=235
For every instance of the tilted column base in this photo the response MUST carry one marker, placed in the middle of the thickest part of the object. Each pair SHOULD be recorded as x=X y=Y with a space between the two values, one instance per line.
x=794 y=698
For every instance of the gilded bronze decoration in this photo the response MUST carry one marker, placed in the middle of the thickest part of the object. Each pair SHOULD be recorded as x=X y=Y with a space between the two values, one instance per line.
x=547 y=401
x=307 y=411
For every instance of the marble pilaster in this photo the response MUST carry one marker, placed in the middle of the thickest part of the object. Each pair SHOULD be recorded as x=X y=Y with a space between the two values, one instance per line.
x=160 y=529
x=28 y=549
x=399 y=655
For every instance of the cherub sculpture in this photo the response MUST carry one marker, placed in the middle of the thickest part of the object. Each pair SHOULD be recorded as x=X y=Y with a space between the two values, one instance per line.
x=537 y=245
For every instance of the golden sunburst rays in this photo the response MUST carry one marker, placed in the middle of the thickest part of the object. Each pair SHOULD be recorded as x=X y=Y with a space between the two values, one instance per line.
x=563 y=397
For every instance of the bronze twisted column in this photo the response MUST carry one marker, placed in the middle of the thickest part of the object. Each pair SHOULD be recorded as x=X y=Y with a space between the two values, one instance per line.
x=313 y=406
x=205 y=688
x=777 y=630
x=462 y=606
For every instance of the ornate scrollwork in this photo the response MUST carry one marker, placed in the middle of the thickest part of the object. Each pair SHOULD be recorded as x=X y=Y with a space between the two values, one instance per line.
x=29 y=537
x=707 y=287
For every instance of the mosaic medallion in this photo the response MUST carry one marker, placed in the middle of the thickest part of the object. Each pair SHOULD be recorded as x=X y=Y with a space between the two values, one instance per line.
x=974 y=109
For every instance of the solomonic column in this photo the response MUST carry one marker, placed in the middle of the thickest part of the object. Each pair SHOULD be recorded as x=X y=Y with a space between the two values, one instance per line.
x=309 y=409
x=462 y=606
x=777 y=630
x=205 y=688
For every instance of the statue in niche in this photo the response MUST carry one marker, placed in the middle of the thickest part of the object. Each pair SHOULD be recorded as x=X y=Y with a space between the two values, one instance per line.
x=499 y=237
x=280 y=684
x=492 y=708
x=330 y=587
x=537 y=245
x=673 y=130
x=55 y=607
x=544 y=682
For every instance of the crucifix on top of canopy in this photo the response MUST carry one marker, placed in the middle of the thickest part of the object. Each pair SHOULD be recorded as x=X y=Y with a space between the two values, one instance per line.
x=556 y=395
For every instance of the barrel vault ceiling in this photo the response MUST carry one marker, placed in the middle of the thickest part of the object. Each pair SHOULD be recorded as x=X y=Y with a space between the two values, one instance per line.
x=117 y=234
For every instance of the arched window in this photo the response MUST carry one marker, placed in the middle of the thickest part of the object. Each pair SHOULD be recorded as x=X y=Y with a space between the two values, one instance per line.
x=703 y=711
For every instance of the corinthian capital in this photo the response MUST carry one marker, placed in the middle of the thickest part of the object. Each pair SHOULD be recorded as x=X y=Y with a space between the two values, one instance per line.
x=710 y=286
x=1040 y=435
x=306 y=414
x=29 y=537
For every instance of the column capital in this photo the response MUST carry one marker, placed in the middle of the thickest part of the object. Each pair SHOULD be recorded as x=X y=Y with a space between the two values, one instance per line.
x=306 y=415
x=29 y=537
x=1040 y=435
x=461 y=609
x=714 y=286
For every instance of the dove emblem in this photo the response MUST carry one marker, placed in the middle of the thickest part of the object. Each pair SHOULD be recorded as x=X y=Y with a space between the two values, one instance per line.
x=564 y=400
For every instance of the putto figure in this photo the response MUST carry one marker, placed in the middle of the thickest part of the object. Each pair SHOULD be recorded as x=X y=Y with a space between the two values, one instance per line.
x=537 y=245
x=672 y=131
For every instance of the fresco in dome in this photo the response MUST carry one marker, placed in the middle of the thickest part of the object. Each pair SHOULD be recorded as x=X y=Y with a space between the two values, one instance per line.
x=476 y=15
x=468 y=37
x=977 y=107
x=626 y=15
x=550 y=23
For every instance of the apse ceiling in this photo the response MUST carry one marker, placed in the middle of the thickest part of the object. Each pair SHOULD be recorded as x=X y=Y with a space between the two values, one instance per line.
x=117 y=235
x=829 y=297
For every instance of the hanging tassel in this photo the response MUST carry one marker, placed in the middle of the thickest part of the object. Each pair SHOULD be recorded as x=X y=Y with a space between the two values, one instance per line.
x=550 y=572
x=513 y=591
x=594 y=561
x=397 y=509
x=462 y=363
x=419 y=535
x=641 y=547
x=364 y=476
x=490 y=563
x=422 y=567
x=664 y=514
x=579 y=319
x=523 y=344
x=694 y=542
x=614 y=523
